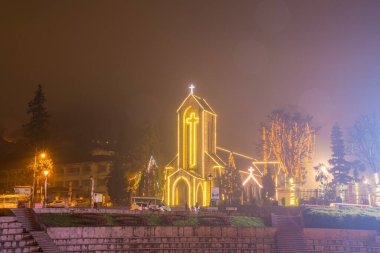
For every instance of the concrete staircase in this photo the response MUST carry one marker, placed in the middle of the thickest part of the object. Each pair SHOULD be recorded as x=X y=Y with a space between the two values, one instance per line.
x=289 y=236
x=26 y=217
x=44 y=241
x=14 y=239
x=30 y=225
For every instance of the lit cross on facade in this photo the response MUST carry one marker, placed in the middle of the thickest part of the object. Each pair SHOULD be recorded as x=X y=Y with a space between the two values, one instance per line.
x=192 y=87
x=251 y=176
x=192 y=121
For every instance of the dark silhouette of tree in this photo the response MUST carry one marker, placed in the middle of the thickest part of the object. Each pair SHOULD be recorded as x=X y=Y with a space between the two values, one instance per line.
x=146 y=144
x=36 y=130
x=365 y=138
x=116 y=181
x=339 y=166
x=269 y=187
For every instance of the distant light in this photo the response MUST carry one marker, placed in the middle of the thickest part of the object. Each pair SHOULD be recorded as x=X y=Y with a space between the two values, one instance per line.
x=324 y=170
x=43 y=155
x=192 y=87
x=46 y=172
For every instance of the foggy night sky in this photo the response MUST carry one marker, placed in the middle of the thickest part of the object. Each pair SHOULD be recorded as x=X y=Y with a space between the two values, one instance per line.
x=101 y=62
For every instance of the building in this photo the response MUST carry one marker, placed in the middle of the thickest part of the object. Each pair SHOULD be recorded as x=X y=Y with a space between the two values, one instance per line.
x=192 y=174
x=75 y=178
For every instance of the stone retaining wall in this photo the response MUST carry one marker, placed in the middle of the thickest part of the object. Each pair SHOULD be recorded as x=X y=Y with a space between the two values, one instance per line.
x=156 y=231
x=320 y=233
x=76 y=239
x=5 y=219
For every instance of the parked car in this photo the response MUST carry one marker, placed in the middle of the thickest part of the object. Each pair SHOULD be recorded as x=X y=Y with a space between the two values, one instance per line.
x=149 y=203
x=57 y=204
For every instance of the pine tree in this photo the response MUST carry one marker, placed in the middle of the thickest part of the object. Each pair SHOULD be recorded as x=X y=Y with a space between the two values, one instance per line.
x=340 y=168
x=36 y=130
x=149 y=184
x=116 y=182
x=231 y=181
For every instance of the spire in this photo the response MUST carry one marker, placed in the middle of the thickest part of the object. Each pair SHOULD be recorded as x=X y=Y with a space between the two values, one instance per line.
x=231 y=161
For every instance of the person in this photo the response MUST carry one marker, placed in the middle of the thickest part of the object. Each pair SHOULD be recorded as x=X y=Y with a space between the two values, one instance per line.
x=186 y=206
x=196 y=207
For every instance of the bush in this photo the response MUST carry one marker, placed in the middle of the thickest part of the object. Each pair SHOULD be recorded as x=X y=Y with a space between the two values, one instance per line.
x=349 y=218
x=5 y=212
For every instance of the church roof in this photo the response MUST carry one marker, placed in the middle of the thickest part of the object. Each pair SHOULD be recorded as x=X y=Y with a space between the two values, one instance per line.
x=242 y=162
x=204 y=104
x=201 y=102
x=173 y=162
x=219 y=161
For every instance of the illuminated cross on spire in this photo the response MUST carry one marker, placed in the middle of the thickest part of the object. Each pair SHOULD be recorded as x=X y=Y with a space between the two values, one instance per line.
x=251 y=176
x=192 y=87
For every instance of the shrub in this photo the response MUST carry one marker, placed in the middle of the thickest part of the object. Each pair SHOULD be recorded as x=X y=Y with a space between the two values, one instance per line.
x=349 y=218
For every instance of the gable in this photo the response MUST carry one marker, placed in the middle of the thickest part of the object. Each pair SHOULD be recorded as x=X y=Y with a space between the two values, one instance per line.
x=191 y=99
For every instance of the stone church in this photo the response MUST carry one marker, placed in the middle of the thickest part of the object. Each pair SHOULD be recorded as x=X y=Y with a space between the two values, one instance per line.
x=192 y=173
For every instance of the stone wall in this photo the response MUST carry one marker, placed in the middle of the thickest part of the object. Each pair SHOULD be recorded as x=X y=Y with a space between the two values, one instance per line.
x=156 y=231
x=110 y=239
x=349 y=234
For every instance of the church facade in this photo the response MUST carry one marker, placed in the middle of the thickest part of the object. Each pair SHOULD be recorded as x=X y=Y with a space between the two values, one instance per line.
x=199 y=162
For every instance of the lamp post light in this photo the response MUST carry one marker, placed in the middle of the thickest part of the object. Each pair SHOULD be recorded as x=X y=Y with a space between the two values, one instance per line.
x=92 y=192
x=41 y=156
x=210 y=179
x=46 y=173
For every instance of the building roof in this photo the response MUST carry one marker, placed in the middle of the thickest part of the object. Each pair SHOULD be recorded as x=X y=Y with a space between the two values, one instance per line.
x=204 y=104
x=201 y=102
x=242 y=162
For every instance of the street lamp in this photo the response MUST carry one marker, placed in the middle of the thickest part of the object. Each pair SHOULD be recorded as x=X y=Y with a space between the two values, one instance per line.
x=46 y=172
x=210 y=179
x=92 y=192
x=41 y=156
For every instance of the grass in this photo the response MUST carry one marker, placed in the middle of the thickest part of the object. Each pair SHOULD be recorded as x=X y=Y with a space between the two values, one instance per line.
x=64 y=220
x=244 y=221
x=5 y=212
x=191 y=222
x=90 y=220
x=154 y=219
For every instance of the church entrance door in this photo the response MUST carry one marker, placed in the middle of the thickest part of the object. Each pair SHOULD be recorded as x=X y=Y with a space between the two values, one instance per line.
x=181 y=191
x=200 y=195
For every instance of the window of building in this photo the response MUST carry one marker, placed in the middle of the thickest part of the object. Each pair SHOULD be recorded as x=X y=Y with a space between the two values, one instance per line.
x=86 y=169
x=102 y=168
x=72 y=170
x=75 y=183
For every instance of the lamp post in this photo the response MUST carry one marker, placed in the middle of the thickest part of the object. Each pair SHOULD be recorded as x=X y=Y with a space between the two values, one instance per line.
x=41 y=156
x=210 y=179
x=46 y=173
x=92 y=192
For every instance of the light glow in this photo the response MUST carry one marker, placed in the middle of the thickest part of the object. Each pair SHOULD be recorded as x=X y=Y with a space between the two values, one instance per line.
x=292 y=188
x=192 y=122
x=192 y=87
x=357 y=193
x=251 y=176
